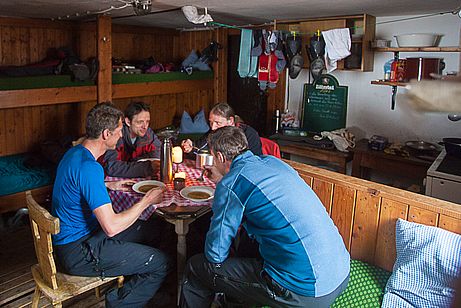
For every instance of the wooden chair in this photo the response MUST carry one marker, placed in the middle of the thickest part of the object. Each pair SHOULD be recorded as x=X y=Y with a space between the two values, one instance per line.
x=57 y=287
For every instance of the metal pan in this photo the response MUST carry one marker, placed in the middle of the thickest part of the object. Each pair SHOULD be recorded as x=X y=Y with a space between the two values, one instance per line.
x=452 y=146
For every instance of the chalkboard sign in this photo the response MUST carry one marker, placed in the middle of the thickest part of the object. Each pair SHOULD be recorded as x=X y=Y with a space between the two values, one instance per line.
x=325 y=105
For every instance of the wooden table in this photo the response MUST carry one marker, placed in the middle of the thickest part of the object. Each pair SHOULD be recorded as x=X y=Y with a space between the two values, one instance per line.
x=178 y=211
x=366 y=159
x=337 y=158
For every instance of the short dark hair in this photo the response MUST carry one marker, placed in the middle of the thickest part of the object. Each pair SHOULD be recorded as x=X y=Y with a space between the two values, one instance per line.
x=224 y=110
x=134 y=108
x=100 y=117
x=229 y=140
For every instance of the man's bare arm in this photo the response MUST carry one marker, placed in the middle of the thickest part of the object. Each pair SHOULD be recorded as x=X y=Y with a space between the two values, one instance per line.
x=113 y=223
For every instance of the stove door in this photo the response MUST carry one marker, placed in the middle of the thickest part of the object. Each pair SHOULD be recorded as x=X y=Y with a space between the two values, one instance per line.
x=444 y=189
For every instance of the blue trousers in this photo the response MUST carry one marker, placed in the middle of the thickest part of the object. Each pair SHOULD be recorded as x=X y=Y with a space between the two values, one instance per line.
x=242 y=279
x=143 y=266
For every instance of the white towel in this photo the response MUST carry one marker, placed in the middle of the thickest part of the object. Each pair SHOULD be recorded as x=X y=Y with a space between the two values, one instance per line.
x=337 y=46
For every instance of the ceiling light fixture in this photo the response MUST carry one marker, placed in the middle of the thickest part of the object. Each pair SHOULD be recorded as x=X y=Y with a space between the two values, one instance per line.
x=192 y=15
x=142 y=7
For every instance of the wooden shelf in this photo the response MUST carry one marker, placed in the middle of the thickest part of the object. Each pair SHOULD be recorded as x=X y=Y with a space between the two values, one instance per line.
x=418 y=49
x=388 y=83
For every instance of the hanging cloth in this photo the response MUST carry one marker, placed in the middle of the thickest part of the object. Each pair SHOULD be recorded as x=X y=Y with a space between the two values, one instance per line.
x=248 y=64
x=337 y=46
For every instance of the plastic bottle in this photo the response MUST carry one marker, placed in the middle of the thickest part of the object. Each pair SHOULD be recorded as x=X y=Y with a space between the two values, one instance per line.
x=387 y=69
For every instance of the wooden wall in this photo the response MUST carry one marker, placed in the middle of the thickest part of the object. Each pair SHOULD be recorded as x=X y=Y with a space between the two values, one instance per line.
x=365 y=212
x=26 y=41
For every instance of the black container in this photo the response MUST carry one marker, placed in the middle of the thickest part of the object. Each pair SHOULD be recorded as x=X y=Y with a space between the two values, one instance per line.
x=452 y=146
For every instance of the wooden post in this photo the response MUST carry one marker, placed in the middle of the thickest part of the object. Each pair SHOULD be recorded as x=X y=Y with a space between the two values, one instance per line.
x=104 y=49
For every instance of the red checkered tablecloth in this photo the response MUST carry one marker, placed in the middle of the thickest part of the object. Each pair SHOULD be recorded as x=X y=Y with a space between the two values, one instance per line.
x=122 y=200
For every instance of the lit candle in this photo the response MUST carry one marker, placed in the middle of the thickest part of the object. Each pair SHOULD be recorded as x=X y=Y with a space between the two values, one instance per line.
x=177 y=155
x=180 y=175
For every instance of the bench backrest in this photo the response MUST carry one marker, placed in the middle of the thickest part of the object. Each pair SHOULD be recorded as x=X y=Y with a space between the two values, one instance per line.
x=365 y=212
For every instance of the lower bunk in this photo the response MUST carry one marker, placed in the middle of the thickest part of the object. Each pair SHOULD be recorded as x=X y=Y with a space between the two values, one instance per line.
x=19 y=173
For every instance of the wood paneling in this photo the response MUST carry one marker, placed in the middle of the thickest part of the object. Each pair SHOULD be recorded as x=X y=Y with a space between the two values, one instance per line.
x=365 y=227
x=104 y=45
x=342 y=212
x=22 y=43
x=450 y=224
x=385 y=248
x=324 y=191
x=373 y=212
x=55 y=112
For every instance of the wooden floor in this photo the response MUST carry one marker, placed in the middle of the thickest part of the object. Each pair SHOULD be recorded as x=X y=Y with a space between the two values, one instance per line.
x=17 y=286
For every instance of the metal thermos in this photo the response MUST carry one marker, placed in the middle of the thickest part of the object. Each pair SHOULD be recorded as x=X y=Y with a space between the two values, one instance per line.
x=277 y=121
x=166 y=161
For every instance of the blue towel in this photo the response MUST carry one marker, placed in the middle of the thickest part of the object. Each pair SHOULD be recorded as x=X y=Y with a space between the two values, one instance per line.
x=248 y=65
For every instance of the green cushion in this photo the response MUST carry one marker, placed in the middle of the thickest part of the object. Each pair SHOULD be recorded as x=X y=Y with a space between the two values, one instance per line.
x=365 y=288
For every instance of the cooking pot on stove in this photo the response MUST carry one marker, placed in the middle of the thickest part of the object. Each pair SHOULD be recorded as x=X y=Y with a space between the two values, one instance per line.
x=452 y=146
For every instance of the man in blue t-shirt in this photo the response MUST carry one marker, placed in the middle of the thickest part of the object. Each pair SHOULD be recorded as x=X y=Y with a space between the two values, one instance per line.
x=94 y=240
x=303 y=263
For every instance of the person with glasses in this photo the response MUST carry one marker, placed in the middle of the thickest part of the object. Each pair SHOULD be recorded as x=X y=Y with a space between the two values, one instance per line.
x=137 y=143
x=303 y=260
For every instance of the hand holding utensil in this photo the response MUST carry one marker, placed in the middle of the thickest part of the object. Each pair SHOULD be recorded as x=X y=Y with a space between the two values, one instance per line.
x=205 y=160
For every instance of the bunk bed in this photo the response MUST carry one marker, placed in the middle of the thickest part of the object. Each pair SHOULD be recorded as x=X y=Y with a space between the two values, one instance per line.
x=60 y=89
x=16 y=92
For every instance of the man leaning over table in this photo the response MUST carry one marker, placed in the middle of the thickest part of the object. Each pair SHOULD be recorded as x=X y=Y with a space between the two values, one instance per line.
x=139 y=141
x=94 y=240
x=304 y=261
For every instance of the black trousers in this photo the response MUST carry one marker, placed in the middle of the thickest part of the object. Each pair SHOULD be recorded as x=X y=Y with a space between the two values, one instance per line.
x=144 y=267
x=243 y=279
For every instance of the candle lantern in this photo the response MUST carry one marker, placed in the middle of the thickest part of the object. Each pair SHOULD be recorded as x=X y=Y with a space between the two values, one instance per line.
x=177 y=157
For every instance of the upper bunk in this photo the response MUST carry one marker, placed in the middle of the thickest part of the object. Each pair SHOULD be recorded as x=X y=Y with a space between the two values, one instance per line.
x=26 y=41
x=59 y=89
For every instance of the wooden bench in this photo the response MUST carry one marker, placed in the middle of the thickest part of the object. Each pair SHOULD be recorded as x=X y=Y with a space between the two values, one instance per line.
x=365 y=213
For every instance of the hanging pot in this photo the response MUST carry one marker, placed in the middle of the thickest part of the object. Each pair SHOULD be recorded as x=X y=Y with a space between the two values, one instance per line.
x=452 y=146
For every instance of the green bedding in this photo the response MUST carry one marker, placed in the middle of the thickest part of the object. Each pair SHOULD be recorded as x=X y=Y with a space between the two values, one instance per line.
x=171 y=76
x=61 y=81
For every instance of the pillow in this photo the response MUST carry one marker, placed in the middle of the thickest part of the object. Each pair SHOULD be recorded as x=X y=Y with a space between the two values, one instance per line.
x=198 y=125
x=365 y=287
x=427 y=267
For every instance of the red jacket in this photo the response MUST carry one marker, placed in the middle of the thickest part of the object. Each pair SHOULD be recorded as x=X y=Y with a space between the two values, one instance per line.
x=123 y=161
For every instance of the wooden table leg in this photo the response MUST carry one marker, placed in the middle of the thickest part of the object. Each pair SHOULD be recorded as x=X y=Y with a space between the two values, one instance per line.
x=181 y=229
x=356 y=162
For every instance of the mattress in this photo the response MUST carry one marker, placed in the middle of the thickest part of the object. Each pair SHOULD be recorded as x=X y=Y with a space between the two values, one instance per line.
x=20 y=172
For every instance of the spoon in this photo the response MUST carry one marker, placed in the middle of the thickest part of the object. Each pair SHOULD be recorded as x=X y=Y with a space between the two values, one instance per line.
x=201 y=179
x=454 y=117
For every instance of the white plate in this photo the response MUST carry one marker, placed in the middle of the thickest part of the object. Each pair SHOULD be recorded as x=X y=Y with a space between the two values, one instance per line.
x=149 y=159
x=187 y=190
x=149 y=182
